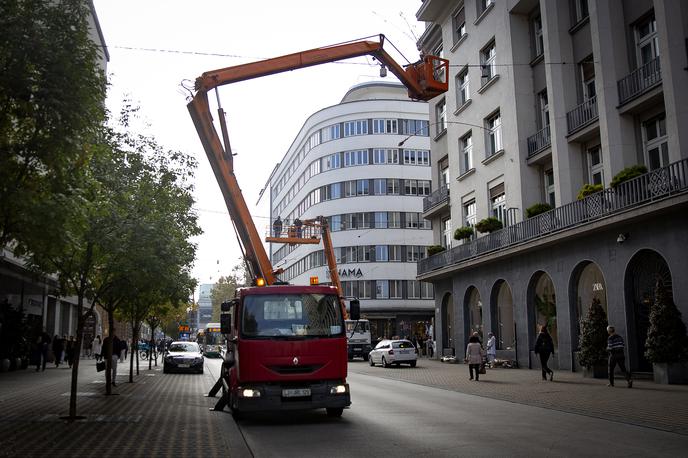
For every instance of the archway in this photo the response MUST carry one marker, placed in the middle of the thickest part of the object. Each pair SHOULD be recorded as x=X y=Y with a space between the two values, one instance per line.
x=587 y=283
x=447 y=321
x=641 y=274
x=502 y=310
x=474 y=307
x=542 y=307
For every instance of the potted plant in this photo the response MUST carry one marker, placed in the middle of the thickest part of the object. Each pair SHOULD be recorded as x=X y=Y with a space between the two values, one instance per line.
x=593 y=345
x=666 y=346
x=463 y=233
x=536 y=209
x=588 y=189
x=434 y=249
x=490 y=224
x=627 y=174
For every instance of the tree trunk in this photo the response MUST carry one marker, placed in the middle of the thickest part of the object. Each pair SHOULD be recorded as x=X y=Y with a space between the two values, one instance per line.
x=108 y=352
x=76 y=356
x=134 y=352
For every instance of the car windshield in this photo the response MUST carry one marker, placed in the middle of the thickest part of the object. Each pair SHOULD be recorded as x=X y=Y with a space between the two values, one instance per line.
x=184 y=346
x=404 y=344
x=292 y=315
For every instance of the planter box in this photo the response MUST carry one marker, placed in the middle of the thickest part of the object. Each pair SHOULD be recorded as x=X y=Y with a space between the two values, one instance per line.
x=670 y=373
x=596 y=371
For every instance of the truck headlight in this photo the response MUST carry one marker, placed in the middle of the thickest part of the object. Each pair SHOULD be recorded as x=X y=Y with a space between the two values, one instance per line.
x=249 y=393
x=339 y=389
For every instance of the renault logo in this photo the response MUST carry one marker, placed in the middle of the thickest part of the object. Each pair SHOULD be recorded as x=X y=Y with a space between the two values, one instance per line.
x=295 y=361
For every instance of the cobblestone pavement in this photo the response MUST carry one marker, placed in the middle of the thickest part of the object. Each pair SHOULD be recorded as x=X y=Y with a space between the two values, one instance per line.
x=157 y=415
x=647 y=404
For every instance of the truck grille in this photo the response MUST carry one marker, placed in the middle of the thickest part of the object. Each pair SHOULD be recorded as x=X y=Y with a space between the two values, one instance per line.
x=295 y=369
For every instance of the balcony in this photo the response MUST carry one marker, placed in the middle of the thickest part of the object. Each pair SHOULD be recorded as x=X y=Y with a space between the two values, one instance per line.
x=653 y=186
x=438 y=199
x=582 y=115
x=539 y=141
x=639 y=81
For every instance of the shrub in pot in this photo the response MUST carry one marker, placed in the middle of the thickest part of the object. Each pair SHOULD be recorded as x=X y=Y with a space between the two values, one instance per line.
x=627 y=174
x=434 y=249
x=536 y=209
x=593 y=346
x=463 y=233
x=588 y=189
x=490 y=224
x=666 y=346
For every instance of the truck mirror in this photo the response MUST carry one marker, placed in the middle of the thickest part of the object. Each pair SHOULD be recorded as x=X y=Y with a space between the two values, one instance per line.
x=225 y=306
x=226 y=323
x=354 y=309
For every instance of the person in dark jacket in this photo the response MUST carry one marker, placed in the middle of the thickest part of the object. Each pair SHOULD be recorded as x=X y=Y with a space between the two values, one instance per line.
x=615 y=348
x=58 y=347
x=116 y=354
x=544 y=347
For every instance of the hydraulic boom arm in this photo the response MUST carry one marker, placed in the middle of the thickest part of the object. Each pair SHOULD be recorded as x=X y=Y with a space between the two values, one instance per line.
x=424 y=80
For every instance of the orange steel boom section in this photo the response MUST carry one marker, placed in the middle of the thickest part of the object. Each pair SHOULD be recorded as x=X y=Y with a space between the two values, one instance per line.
x=424 y=80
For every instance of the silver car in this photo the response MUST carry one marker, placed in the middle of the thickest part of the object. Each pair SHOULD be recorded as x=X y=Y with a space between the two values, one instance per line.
x=388 y=352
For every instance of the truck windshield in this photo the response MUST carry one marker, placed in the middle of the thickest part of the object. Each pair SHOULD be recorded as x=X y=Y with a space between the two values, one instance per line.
x=301 y=315
x=361 y=326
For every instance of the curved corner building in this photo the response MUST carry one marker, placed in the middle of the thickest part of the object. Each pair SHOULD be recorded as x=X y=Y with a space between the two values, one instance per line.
x=346 y=164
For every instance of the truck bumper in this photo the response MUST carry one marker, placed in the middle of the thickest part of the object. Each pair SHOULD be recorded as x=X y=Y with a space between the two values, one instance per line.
x=358 y=350
x=272 y=397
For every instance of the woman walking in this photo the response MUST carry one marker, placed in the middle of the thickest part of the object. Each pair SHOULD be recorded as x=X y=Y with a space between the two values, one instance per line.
x=97 y=348
x=544 y=347
x=474 y=356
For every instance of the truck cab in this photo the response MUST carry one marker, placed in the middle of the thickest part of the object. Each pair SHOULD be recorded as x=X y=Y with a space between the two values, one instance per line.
x=358 y=339
x=286 y=350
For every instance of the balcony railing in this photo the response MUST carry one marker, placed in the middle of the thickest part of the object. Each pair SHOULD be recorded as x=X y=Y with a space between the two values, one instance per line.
x=539 y=141
x=582 y=115
x=655 y=185
x=437 y=197
x=639 y=81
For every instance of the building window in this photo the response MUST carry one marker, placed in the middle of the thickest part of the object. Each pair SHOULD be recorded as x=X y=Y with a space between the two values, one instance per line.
x=470 y=213
x=416 y=157
x=413 y=289
x=354 y=158
x=414 y=253
x=359 y=127
x=493 y=124
x=459 y=24
x=362 y=187
x=466 y=152
x=498 y=202
x=538 y=36
x=462 y=83
x=332 y=161
x=393 y=186
x=444 y=172
x=438 y=72
x=382 y=289
x=395 y=289
x=549 y=188
x=446 y=233
x=655 y=141
x=543 y=103
x=411 y=187
x=336 y=223
x=580 y=10
x=381 y=220
x=394 y=220
x=647 y=41
x=411 y=220
x=385 y=156
x=441 y=117
x=335 y=190
x=595 y=168
x=415 y=127
x=587 y=71
x=385 y=126
x=363 y=220
x=487 y=62
x=483 y=5
x=381 y=253
x=380 y=186
x=427 y=290
x=423 y=187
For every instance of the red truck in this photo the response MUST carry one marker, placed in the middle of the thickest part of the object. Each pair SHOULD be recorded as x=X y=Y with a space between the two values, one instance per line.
x=286 y=344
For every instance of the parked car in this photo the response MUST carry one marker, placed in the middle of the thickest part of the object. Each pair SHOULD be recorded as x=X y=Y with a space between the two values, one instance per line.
x=398 y=352
x=183 y=356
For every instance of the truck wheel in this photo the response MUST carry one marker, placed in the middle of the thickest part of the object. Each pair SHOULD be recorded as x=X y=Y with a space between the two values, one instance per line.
x=335 y=411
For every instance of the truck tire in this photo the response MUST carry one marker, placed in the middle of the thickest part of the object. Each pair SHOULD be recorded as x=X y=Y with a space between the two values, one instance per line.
x=335 y=411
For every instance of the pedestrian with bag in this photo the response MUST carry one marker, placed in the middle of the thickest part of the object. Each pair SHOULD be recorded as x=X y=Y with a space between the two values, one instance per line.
x=615 y=348
x=97 y=348
x=474 y=356
x=544 y=347
x=116 y=353
x=491 y=348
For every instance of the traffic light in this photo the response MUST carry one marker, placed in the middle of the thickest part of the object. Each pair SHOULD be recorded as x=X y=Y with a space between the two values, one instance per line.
x=354 y=309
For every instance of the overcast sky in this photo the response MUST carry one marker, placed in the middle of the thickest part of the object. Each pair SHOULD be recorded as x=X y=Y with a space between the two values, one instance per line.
x=155 y=44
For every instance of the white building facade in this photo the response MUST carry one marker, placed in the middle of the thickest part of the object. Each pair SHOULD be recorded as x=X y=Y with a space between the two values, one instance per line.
x=545 y=98
x=346 y=164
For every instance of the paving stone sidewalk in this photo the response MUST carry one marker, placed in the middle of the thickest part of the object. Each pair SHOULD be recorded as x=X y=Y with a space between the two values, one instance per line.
x=647 y=404
x=156 y=416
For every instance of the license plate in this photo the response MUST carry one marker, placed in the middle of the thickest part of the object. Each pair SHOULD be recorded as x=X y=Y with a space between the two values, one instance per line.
x=183 y=365
x=296 y=392
x=405 y=352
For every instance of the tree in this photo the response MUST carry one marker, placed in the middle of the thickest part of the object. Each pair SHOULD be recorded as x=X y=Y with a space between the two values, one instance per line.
x=225 y=288
x=593 y=346
x=52 y=94
x=666 y=336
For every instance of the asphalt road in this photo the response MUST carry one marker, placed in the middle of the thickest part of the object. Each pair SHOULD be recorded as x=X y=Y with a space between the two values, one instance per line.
x=392 y=418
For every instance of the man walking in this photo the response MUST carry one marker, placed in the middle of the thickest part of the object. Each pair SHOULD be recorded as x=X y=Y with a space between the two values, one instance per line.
x=615 y=348
x=116 y=353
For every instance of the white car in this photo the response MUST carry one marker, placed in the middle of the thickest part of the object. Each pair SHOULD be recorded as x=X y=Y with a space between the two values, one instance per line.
x=388 y=352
